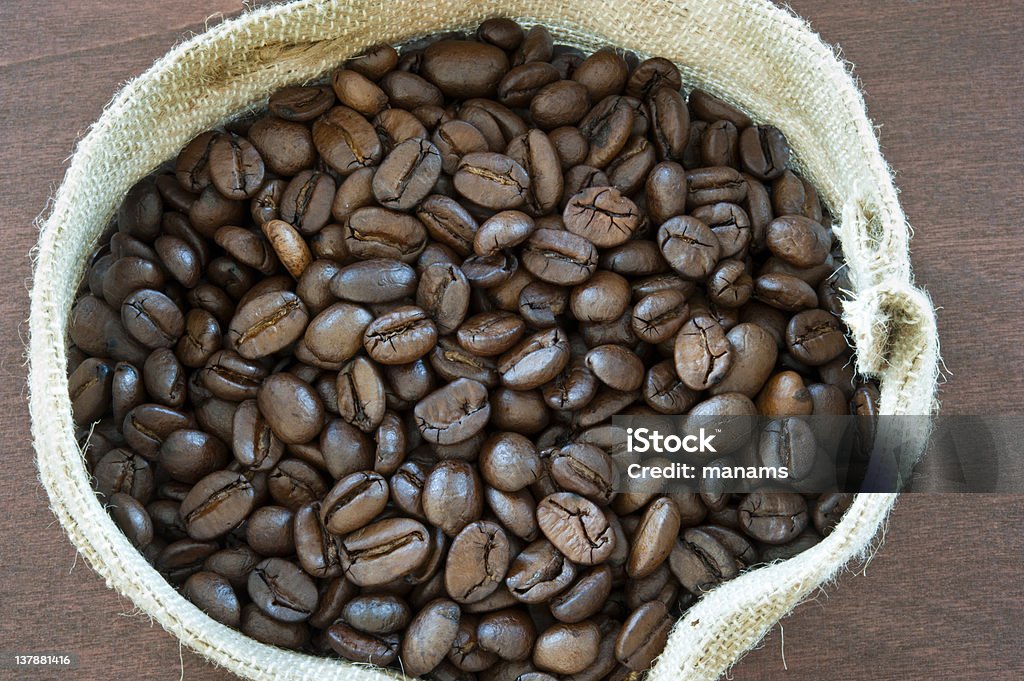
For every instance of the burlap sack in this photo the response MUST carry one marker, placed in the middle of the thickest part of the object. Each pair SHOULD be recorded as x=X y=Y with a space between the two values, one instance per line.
x=750 y=52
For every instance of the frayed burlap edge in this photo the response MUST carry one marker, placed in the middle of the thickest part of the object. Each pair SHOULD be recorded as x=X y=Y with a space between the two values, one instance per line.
x=749 y=52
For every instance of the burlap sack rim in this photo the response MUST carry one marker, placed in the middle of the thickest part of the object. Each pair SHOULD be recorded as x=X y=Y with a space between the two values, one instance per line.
x=892 y=322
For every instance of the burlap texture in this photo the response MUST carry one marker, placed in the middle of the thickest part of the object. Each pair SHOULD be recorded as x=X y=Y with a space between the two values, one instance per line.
x=750 y=52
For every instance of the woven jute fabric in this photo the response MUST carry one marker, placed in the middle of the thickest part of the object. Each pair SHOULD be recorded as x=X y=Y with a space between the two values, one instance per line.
x=749 y=52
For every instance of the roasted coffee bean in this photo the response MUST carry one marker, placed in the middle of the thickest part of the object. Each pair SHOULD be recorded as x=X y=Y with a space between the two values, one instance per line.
x=454 y=413
x=509 y=462
x=815 y=337
x=764 y=152
x=306 y=201
x=584 y=469
x=703 y=353
x=643 y=636
x=353 y=502
x=373 y=232
x=689 y=246
x=268 y=530
x=384 y=551
x=577 y=527
x=602 y=215
x=217 y=504
x=282 y=590
x=789 y=443
x=357 y=646
x=798 y=240
x=567 y=648
x=346 y=141
x=585 y=598
x=535 y=361
x=490 y=333
x=215 y=596
x=785 y=394
x=653 y=540
x=658 y=316
x=267 y=324
x=615 y=366
x=407 y=174
x=477 y=561
x=400 y=336
x=492 y=180
x=773 y=517
x=452 y=496
x=539 y=572
x=377 y=614
x=291 y=407
x=374 y=281
x=430 y=636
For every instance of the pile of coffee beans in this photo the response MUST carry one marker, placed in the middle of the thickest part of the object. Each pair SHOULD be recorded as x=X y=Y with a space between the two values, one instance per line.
x=343 y=370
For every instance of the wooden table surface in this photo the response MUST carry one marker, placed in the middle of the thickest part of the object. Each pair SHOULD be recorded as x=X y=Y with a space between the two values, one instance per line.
x=944 y=596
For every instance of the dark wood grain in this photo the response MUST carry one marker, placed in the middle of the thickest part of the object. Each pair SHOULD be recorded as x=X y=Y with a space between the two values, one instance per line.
x=943 y=596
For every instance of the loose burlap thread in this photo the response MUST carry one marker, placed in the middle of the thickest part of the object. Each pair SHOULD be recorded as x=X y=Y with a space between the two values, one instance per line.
x=751 y=53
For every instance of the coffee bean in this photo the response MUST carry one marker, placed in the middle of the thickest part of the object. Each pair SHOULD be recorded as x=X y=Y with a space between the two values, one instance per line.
x=429 y=637
x=773 y=518
x=703 y=354
x=354 y=502
x=492 y=180
x=577 y=527
x=291 y=407
x=400 y=336
x=345 y=140
x=214 y=595
x=217 y=504
x=539 y=572
x=567 y=648
x=815 y=337
x=407 y=174
x=477 y=562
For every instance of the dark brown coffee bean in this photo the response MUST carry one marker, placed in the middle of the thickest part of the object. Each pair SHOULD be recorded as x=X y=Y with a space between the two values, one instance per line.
x=430 y=636
x=643 y=636
x=373 y=232
x=189 y=455
x=815 y=337
x=710 y=108
x=490 y=333
x=217 y=504
x=268 y=530
x=651 y=75
x=477 y=562
x=689 y=246
x=703 y=354
x=301 y=103
x=346 y=141
x=785 y=292
x=452 y=496
x=464 y=69
x=400 y=336
x=559 y=257
x=584 y=469
x=267 y=324
x=492 y=180
x=773 y=518
x=764 y=152
x=407 y=174
x=254 y=443
x=654 y=537
x=282 y=590
x=602 y=215
x=353 y=502
x=539 y=572
x=236 y=168
x=384 y=551
x=577 y=527
x=358 y=646
x=454 y=413
x=164 y=378
x=215 y=596
x=534 y=361
x=567 y=648
x=616 y=366
x=798 y=240
x=291 y=407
